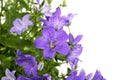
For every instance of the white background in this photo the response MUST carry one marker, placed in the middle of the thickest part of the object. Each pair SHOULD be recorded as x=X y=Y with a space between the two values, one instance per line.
x=99 y=22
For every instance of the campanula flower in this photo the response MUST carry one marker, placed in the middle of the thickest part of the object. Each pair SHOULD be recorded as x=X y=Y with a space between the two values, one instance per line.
x=9 y=75
x=52 y=41
x=28 y=62
x=40 y=66
x=46 y=77
x=81 y=76
x=23 y=78
x=73 y=56
x=46 y=9
x=73 y=40
x=56 y=20
x=38 y=1
x=76 y=50
x=20 y=26
x=98 y=76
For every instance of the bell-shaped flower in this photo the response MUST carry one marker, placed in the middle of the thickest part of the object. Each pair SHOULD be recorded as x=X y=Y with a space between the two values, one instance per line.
x=28 y=62
x=98 y=76
x=9 y=75
x=52 y=41
x=20 y=26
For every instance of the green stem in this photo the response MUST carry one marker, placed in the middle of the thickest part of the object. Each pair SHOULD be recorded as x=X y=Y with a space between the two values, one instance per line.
x=69 y=29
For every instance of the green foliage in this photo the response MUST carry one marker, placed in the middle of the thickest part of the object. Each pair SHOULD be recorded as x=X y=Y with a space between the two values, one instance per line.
x=9 y=43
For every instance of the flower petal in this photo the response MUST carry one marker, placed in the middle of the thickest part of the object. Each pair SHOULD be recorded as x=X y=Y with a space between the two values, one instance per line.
x=58 y=12
x=41 y=43
x=34 y=71
x=61 y=36
x=14 y=29
x=48 y=33
x=23 y=78
x=81 y=75
x=72 y=76
x=46 y=77
x=9 y=74
x=77 y=39
x=26 y=20
x=71 y=38
x=98 y=76
x=48 y=53
x=5 y=78
x=27 y=70
x=63 y=48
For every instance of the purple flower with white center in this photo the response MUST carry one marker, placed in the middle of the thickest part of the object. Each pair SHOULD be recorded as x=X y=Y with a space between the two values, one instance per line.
x=21 y=26
x=28 y=62
x=98 y=76
x=81 y=76
x=40 y=66
x=55 y=20
x=52 y=41
x=9 y=75
x=46 y=77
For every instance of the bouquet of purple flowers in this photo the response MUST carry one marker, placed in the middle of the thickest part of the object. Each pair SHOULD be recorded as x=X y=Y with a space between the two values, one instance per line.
x=33 y=43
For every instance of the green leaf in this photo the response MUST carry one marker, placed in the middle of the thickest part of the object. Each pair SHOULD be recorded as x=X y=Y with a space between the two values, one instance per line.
x=15 y=42
x=49 y=1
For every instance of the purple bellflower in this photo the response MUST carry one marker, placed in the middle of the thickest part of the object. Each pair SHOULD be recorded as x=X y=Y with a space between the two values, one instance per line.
x=46 y=9
x=52 y=41
x=38 y=1
x=9 y=75
x=46 y=77
x=28 y=62
x=73 y=56
x=74 y=41
x=56 y=20
x=81 y=76
x=23 y=78
x=98 y=76
x=40 y=66
x=75 y=51
x=21 y=26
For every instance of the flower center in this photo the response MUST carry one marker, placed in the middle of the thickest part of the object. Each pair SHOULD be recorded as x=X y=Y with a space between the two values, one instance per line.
x=52 y=45
x=29 y=62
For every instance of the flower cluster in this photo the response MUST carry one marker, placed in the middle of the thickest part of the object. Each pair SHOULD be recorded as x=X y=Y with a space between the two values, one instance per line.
x=54 y=40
